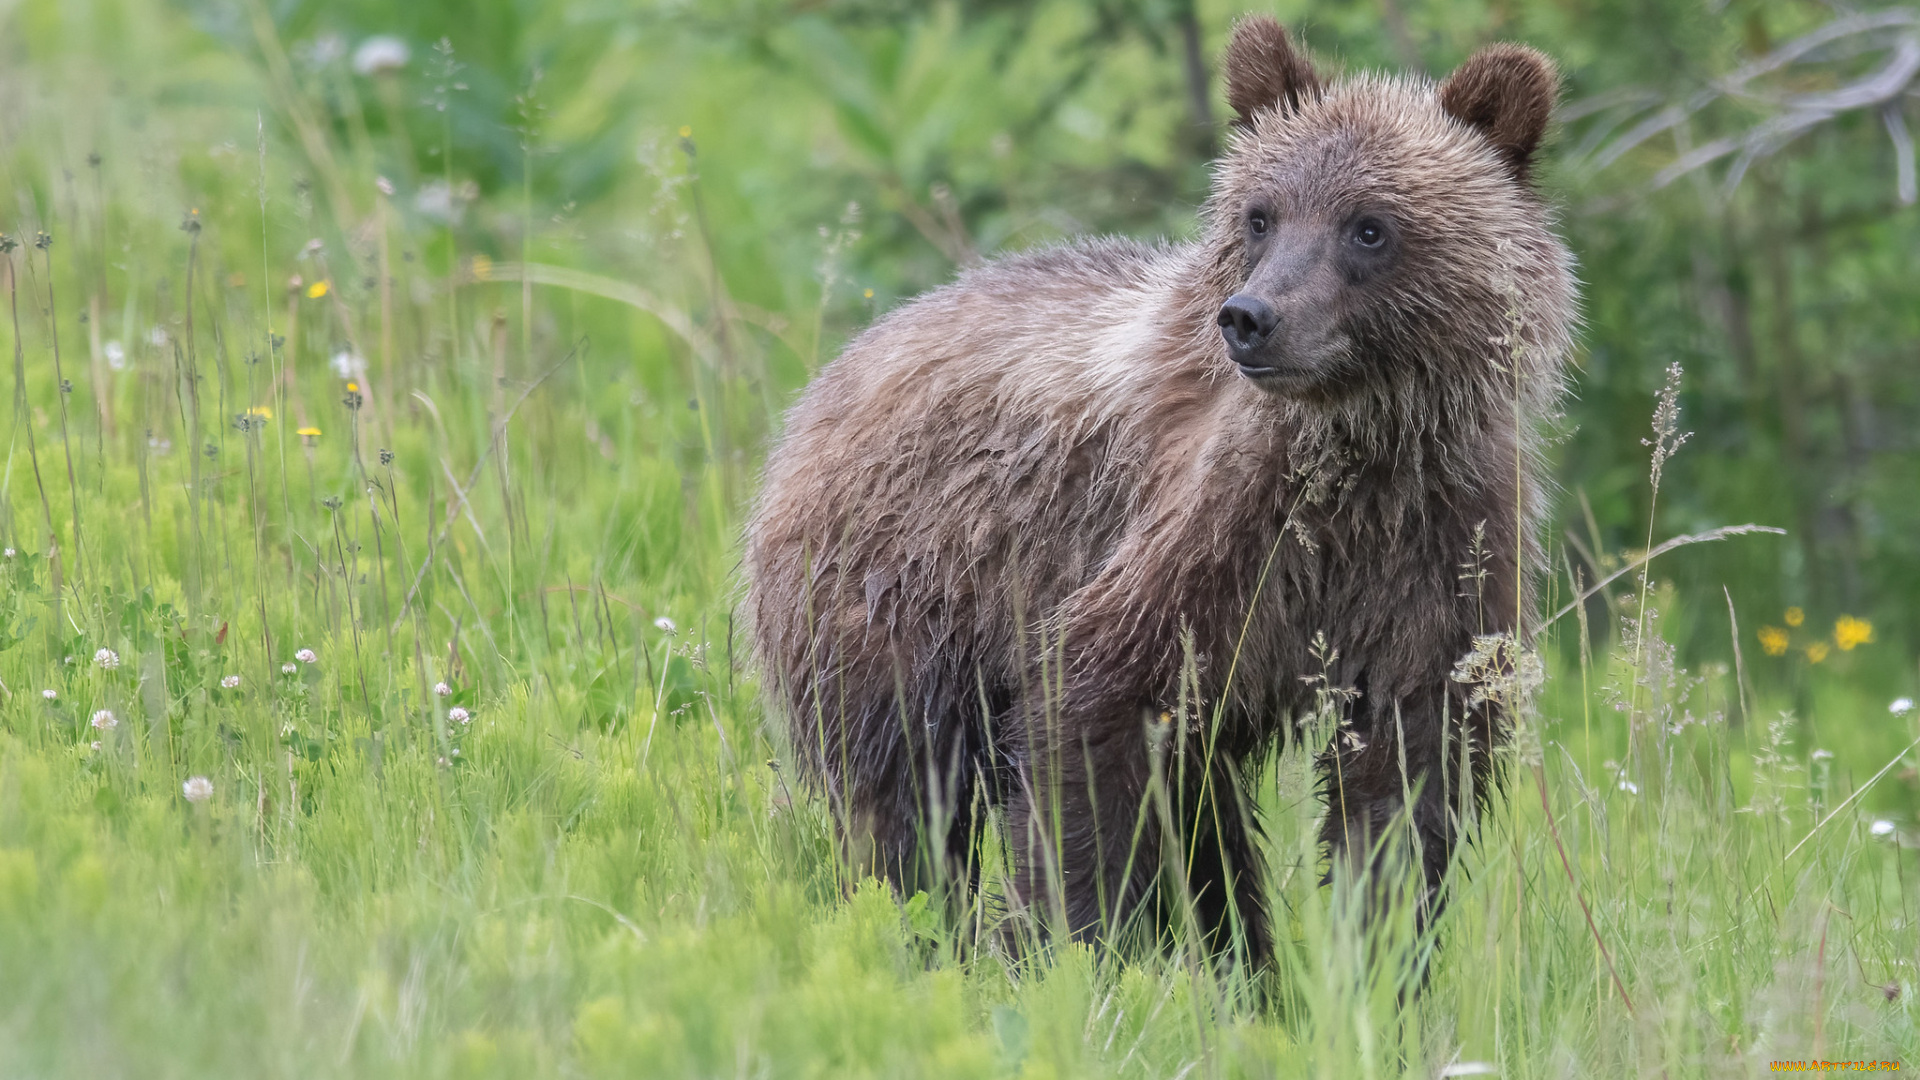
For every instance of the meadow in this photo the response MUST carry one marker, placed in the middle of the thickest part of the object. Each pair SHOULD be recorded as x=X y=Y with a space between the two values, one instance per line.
x=373 y=701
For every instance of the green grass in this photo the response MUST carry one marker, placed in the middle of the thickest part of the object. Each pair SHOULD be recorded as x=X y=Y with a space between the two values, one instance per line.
x=605 y=872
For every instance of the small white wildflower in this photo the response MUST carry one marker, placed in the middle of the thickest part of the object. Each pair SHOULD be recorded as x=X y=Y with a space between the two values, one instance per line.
x=459 y=715
x=50 y=694
x=11 y=553
x=1901 y=706
x=305 y=656
x=107 y=658
x=381 y=53
x=116 y=355
x=288 y=668
x=104 y=720
x=157 y=336
x=1822 y=755
x=385 y=185
x=442 y=689
x=1881 y=828
x=95 y=744
x=348 y=364
x=230 y=682
x=1629 y=786
x=666 y=624
x=197 y=789
x=439 y=202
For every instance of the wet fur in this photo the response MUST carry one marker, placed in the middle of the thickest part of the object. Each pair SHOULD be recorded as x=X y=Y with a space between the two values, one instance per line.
x=996 y=524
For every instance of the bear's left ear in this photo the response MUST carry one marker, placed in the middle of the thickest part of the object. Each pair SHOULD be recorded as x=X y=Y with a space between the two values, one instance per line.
x=1506 y=92
x=1263 y=71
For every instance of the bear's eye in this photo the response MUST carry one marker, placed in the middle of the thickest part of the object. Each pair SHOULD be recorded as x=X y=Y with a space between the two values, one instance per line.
x=1257 y=222
x=1369 y=234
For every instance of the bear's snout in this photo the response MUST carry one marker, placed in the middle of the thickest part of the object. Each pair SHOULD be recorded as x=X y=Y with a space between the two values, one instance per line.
x=1246 y=322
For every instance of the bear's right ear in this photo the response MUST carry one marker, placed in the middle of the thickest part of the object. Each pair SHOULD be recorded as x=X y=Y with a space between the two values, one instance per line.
x=1263 y=71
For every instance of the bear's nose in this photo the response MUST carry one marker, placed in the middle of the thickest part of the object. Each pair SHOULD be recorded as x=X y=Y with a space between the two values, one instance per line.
x=1246 y=322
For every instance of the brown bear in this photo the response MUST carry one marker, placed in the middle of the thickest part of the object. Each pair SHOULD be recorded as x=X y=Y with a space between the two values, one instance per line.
x=1106 y=520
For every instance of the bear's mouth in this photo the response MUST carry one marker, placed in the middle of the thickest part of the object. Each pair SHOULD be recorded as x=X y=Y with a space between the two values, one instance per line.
x=1273 y=376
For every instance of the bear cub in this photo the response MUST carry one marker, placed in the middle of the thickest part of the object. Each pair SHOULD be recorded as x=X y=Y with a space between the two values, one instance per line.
x=1079 y=536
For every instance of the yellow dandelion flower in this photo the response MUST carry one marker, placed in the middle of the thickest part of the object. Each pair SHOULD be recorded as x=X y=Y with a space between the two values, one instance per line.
x=1773 y=641
x=1795 y=616
x=317 y=290
x=482 y=268
x=263 y=412
x=686 y=131
x=1849 y=631
x=353 y=388
x=1817 y=652
x=868 y=294
x=309 y=432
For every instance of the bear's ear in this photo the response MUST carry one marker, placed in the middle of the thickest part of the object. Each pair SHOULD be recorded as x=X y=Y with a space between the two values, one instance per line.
x=1506 y=92
x=1264 y=72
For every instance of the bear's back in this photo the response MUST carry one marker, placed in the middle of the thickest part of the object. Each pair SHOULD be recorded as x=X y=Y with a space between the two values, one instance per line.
x=977 y=451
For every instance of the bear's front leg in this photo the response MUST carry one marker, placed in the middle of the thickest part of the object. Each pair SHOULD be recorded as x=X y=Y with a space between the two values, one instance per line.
x=1085 y=851
x=1433 y=747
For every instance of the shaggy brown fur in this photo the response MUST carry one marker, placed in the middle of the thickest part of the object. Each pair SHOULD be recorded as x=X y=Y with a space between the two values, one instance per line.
x=1007 y=519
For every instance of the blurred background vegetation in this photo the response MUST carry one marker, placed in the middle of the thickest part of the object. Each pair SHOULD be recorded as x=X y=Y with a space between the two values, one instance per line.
x=1740 y=197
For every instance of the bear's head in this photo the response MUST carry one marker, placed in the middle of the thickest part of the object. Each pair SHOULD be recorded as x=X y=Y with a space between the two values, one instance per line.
x=1374 y=233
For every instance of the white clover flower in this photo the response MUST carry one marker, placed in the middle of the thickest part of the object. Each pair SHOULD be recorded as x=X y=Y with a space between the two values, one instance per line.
x=197 y=789
x=1882 y=827
x=1901 y=706
x=104 y=720
x=116 y=355
x=666 y=624
x=95 y=744
x=50 y=694
x=305 y=656
x=459 y=715
x=348 y=364
x=381 y=53
x=107 y=658
x=230 y=682
x=438 y=201
x=288 y=668
x=442 y=689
